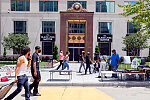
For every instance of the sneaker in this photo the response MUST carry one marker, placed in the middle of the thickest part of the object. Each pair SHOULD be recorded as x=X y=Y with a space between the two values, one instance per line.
x=36 y=94
x=99 y=76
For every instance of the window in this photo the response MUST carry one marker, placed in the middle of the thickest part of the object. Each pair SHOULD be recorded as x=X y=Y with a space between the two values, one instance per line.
x=48 y=6
x=48 y=27
x=19 y=27
x=70 y=3
x=20 y=5
x=129 y=3
x=105 y=48
x=131 y=28
x=105 y=6
x=76 y=28
x=133 y=52
x=105 y=28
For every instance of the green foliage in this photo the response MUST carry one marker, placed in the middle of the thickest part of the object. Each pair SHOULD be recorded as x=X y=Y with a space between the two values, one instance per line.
x=5 y=52
x=16 y=41
x=55 y=53
x=96 y=50
x=141 y=15
x=135 y=41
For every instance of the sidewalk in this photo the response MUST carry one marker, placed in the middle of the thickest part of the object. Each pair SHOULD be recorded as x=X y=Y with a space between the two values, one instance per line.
x=79 y=79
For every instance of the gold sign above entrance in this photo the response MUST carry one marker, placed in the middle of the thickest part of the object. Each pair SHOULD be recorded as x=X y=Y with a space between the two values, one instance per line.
x=76 y=38
x=77 y=7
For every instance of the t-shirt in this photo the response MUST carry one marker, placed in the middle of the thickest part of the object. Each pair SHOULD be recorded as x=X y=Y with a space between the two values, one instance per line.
x=36 y=58
x=81 y=57
x=114 y=59
x=87 y=59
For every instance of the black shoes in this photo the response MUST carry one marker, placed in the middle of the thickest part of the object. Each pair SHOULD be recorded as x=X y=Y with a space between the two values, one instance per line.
x=36 y=94
x=99 y=76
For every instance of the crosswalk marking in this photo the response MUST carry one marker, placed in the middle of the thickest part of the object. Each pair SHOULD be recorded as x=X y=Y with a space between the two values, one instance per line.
x=73 y=94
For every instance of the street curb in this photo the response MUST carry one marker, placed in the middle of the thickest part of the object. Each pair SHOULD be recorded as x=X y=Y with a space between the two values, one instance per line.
x=101 y=84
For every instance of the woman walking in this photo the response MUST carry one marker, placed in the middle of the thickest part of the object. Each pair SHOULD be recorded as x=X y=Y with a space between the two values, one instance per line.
x=66 y=59
x=20 y=75
x=61 y=57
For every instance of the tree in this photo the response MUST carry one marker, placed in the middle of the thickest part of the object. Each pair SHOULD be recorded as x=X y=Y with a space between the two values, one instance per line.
x=16 y=42
x=55 y=53
x=141 y=15
x=96 y=50
x=135 y=42
x=5 y=52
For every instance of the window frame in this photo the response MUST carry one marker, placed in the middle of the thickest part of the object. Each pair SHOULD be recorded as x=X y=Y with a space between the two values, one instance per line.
x=48 y=32
x=15 y=32
x=128 y=28
x=99 y=28
x=15 y=9
x=43 y=6
x=100 y=7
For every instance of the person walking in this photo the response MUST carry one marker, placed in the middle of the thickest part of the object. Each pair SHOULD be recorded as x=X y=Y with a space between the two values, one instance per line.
x=103 y=64
x=82 y=61
x=88 y=62
x=35 y=71
x=20 y=74
x=114 y=62
x=66 y=59
x=61 y=57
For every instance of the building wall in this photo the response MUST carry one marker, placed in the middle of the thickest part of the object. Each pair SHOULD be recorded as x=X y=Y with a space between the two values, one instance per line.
x=0 y=27
x=34 y=20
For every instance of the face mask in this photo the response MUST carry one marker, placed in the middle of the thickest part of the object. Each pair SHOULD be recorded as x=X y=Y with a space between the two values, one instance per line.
x=39 y=51
x=29 y=54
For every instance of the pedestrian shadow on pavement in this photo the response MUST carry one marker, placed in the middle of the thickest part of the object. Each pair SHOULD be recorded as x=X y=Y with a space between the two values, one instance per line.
x=49 y=80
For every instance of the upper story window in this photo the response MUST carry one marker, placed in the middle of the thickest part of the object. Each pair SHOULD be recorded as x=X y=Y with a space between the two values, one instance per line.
x=76 y=28
x=19 y=27
x=48 y=6
x=20 y=5
x=131 y=28
x=70 y=3
x=105 y=27
x=48 y=27
x=129 y=3
x=105 y=6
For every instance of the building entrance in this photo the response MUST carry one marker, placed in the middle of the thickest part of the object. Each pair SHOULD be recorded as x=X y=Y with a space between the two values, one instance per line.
x=76 y=39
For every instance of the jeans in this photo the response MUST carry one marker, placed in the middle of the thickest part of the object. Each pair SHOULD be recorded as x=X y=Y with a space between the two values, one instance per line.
x=22 y=82
x=114 y=68
x=60 y=64
x=82 y=64
x=35 y=84
x=88 y=67
x=66 y=65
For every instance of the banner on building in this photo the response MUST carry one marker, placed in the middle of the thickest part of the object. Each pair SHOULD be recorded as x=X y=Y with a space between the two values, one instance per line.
x=47 y=37
x=104 y=38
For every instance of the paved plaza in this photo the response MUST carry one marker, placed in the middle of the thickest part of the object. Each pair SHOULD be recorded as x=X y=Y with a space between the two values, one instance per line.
x=79 y=79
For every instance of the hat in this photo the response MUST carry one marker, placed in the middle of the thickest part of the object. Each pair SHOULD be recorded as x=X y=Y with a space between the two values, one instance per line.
x=83 y=51
x=37 y=47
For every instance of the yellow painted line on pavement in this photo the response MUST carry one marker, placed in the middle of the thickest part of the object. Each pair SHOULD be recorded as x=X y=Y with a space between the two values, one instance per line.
x=73 y=94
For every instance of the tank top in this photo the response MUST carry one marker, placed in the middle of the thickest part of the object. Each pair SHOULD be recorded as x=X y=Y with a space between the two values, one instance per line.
x=67 y=59
x=23 y=67
x=61 y=57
